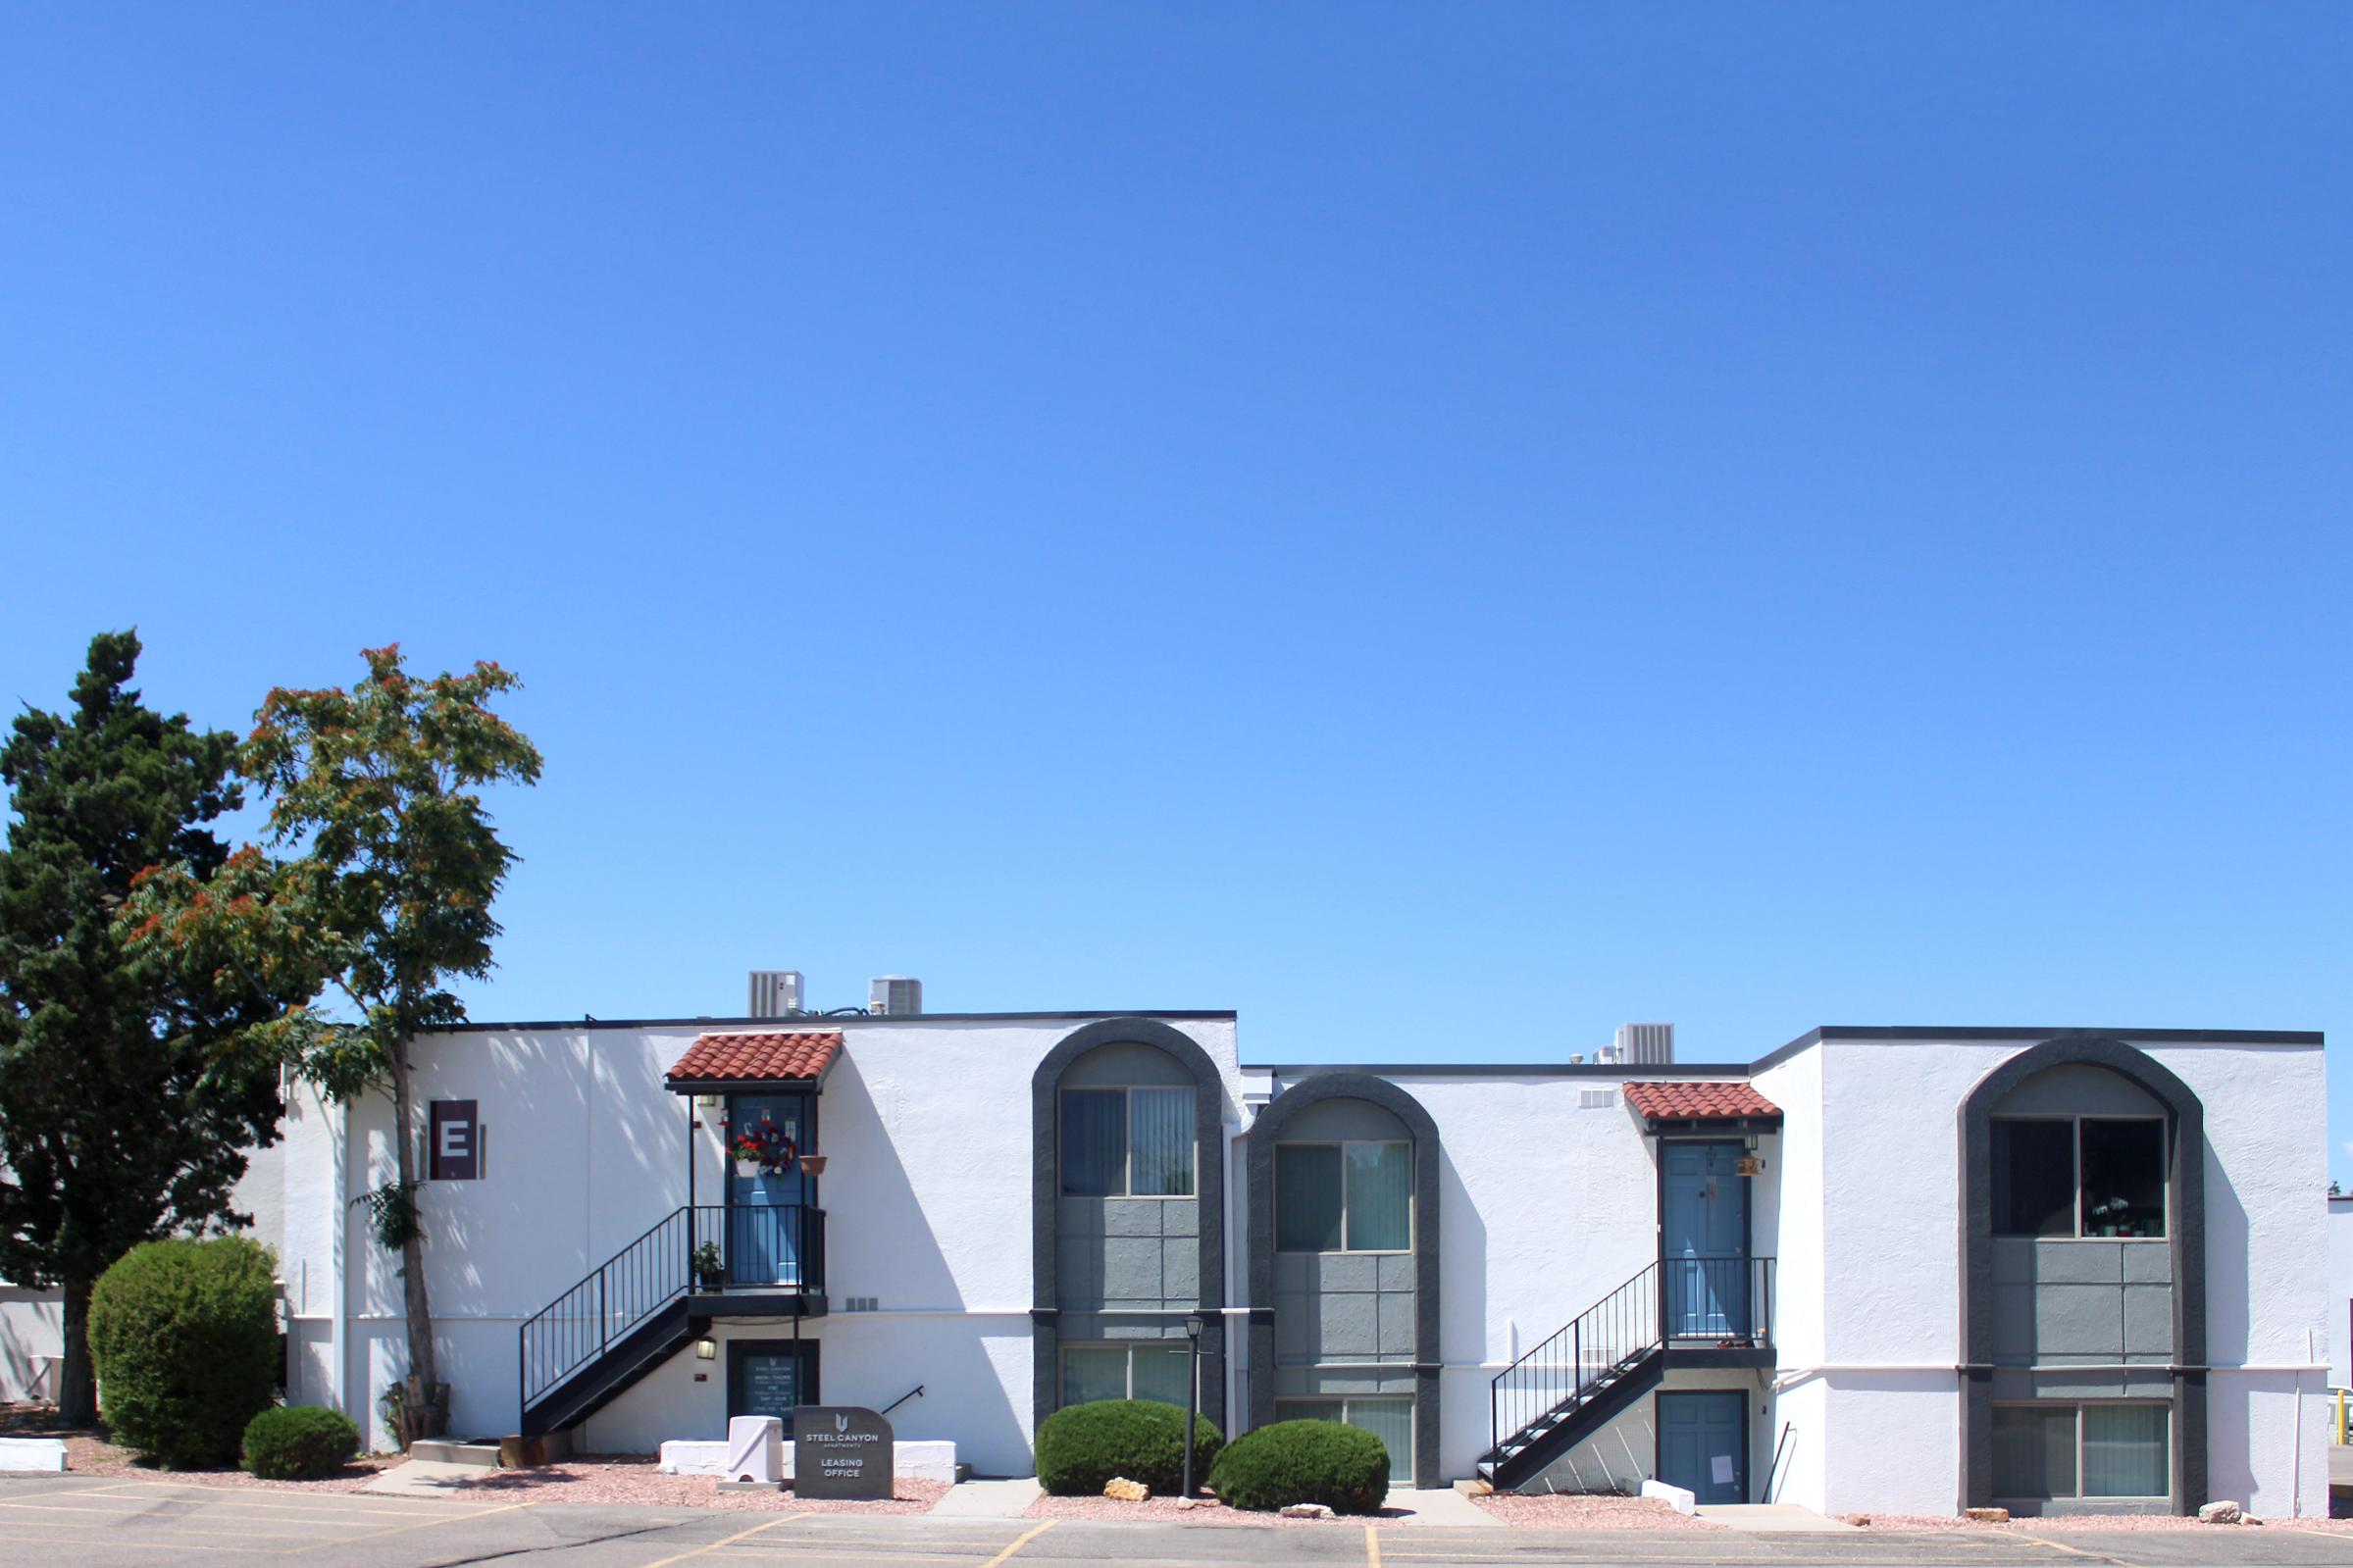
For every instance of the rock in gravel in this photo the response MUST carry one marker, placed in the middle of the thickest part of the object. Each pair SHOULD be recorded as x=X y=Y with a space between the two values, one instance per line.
x=1120 y=1488
x=2221 y=1513
x=1986 y=1516
x=1306 y=1510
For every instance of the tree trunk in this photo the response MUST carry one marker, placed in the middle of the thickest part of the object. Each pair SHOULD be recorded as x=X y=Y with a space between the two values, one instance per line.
x=76 y=1382
x=419 y=1309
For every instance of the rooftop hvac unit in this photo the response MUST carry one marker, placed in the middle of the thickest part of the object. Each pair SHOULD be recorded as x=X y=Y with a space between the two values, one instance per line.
x=1646 y=1043
x=775 y=993
x=893 y=995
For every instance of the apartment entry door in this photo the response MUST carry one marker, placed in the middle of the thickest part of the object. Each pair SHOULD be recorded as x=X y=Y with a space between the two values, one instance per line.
x=1703 y=1241
x=1703 y=1445
x=764 y=1209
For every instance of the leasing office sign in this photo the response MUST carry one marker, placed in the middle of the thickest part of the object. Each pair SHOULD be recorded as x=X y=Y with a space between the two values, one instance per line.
x=841 y=1450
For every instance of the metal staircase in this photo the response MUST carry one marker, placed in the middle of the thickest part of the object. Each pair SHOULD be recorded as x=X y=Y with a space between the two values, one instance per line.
x=1590 y=1371
x=655 y=1296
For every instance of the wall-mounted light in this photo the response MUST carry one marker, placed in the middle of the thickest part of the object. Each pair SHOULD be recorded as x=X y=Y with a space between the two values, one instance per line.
x=706 y=1349
x=709 y=1102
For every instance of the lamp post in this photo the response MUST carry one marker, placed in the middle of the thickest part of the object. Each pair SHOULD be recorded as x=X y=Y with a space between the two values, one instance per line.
x=1193 y=1327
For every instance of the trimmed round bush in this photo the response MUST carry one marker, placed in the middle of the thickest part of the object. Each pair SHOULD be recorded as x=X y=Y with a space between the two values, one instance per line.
x=1081 y=1448
x=300 y=1442
x=184 y=1337
x=1345 y=1468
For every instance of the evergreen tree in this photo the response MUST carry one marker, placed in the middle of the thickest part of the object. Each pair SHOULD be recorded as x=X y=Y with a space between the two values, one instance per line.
x=126 y=1103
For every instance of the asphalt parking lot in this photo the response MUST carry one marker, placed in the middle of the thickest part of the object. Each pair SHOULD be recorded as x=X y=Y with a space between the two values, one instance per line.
x=101 y=1522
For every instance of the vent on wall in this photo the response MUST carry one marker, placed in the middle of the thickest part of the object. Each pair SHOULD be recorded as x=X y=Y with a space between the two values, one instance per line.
x=775 y=993
x=893 y=995
x=1595 y=1099
x=1646 y=1043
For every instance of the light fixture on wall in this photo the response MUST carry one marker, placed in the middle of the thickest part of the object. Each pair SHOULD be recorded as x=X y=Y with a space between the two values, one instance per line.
x=706 y=1349
x=709 y=1102
x=1748 y=1164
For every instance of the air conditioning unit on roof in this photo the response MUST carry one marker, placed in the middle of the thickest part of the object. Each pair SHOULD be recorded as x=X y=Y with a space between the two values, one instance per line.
x=894 y=995
x=775 y=993
x=1646 y=1043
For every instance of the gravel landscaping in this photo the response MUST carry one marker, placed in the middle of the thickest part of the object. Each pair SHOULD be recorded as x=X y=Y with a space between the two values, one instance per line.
x=1567 y=1511
x=1164 y=1511
x=89 y=1453
x=2072 y=1524
x=635 y=1479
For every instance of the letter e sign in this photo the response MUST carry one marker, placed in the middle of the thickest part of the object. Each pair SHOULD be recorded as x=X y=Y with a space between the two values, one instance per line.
x=456 y=1141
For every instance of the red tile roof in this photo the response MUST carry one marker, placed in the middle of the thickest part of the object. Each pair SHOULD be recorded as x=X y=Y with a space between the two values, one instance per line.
x=1701 y=1103
x=756 y=1058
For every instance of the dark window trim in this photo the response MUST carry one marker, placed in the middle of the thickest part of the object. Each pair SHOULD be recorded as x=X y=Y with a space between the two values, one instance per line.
x=1046 y=1193
x=1428 y=1156
x=2185 y=1211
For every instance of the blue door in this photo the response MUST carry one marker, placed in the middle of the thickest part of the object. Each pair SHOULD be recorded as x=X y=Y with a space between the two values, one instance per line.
x=1703 y=1244
x=764 y=1208
x=1701 y=1446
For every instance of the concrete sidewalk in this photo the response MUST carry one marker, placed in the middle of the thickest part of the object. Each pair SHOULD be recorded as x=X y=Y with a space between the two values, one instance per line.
x=1772 y=1518
x=986 y=1500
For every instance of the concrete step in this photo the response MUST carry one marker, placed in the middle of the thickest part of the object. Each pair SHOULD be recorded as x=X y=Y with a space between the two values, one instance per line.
x=454 y=1452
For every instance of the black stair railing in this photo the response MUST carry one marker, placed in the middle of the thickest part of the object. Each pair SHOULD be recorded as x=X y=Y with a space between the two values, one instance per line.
x=758 y=1248
x=1621 y=1327
x=1691 y=1301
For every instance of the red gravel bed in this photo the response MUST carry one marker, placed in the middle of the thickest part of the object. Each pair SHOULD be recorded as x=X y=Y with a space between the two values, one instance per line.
x=635 y=1479
x=1164 y=1510
x=1572 y=1511
x=89 y=1453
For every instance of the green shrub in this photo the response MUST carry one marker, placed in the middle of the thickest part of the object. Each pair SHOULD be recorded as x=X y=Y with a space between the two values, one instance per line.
x=184 y=1337
x=1343 y=1468
x=300 y=1442
x=1081 y=1448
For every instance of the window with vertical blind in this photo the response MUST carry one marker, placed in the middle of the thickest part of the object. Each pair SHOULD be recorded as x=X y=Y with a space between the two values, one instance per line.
x=1344 y=1197
x=1143 y=1369
x=2049 y=1452
x=1127 y=1143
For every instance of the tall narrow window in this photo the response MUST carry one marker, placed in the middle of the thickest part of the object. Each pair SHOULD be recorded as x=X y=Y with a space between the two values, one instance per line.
x=1307 y=1197
x=2123 y=1178
x=1095 y=1150
x=2033 y=1178
x=2033 y=1450
x=1160 y=1142
x=1380 y=1197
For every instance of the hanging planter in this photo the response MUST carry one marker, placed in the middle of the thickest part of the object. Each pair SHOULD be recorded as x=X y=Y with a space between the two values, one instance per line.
x=762 y=1150
x=812 y=1165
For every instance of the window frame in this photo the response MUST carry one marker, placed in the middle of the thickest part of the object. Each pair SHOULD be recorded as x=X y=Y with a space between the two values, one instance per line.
x=1127 y=1151
x=1344 y=1144
x=1128 y=1349
x=1399 y=1465
x=2075 y=1120
x=2077 y=1407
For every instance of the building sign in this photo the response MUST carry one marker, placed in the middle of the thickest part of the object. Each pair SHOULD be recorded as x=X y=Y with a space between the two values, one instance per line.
x=456 y=1149
x=841 y=1451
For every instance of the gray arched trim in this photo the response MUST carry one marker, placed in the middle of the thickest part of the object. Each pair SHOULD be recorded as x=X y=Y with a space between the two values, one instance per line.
x=2185 y=1192
x=1263 y=1135
x=1208 y=1124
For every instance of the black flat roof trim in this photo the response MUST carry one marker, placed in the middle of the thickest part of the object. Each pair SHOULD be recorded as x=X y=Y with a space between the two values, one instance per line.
x=817 y=1023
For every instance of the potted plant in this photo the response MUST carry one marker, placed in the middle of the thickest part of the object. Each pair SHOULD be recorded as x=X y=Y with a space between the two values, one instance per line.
x=710 y=1268
x=749 y=1151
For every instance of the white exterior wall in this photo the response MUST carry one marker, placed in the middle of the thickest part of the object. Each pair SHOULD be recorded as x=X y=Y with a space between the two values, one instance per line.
x=2340 y=1292
x=926 y=1126
x=1889 y=1386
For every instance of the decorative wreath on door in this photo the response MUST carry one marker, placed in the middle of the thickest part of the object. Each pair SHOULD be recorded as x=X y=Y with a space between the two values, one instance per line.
x=765 y=1144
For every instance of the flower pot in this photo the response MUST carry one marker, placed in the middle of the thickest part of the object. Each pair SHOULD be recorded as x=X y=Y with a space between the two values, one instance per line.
x=747 y=1167
x=812 y=1165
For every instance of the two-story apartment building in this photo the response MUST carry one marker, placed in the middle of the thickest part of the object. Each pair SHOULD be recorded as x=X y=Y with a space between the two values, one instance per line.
x=1898 y=1269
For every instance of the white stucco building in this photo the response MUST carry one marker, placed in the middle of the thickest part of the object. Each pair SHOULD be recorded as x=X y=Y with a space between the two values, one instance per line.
x=1902 y=1270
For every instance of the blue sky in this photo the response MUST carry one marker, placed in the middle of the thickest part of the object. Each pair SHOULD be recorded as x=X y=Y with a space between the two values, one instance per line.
x=1442 y=529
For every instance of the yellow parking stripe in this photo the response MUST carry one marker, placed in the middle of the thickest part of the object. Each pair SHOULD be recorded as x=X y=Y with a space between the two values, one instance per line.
x=741 y=1534
x=1019 y=1542
x=420 y=1524
x=176 y=1546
